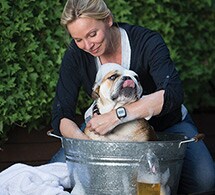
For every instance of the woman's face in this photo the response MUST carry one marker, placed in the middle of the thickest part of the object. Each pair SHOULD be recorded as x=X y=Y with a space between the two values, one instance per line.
x=91 y=35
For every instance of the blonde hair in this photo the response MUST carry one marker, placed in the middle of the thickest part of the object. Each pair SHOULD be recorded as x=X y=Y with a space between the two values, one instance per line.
x=74 y=9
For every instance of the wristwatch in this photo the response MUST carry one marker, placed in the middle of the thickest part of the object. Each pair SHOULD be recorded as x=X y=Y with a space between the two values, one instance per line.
x=121 y=112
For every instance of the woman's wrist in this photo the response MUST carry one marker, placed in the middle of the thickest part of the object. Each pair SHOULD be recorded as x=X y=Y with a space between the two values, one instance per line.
x=120 y=115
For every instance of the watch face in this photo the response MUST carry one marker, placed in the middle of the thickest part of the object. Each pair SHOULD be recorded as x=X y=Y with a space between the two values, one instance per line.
x=121 y=112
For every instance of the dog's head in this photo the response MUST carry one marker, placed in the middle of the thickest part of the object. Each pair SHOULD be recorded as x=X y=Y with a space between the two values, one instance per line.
x=116 y=84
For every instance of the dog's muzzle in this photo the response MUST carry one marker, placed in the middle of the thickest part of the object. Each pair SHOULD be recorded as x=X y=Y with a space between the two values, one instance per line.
x=125 y=89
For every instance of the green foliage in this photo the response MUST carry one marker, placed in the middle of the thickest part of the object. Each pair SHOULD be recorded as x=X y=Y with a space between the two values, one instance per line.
x=32 y=43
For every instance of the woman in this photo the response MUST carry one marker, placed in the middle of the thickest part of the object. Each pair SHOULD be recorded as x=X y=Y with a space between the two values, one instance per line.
x=98 y=40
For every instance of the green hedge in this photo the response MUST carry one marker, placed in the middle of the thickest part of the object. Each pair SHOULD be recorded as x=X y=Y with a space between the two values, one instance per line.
x=32 y=43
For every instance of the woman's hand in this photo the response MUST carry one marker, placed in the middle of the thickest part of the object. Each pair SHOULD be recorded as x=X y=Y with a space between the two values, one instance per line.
x=104 y=123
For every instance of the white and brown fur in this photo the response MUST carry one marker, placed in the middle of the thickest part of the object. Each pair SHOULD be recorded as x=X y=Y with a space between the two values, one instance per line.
x=116 y=86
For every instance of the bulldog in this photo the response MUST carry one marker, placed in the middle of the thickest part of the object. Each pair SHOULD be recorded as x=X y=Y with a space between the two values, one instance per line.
x=115 y=87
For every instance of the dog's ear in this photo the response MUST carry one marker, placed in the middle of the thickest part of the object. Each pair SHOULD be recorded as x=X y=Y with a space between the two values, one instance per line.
x=95 y=92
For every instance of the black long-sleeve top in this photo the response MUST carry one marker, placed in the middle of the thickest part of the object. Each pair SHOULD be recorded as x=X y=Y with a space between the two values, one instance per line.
x=150 y=59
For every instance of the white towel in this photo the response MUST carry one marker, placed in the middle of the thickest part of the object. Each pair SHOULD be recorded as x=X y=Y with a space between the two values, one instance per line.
x=21 y=179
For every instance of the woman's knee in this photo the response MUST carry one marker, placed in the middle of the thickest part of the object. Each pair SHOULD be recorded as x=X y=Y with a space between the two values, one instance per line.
x=198 y=173
x=205 y=179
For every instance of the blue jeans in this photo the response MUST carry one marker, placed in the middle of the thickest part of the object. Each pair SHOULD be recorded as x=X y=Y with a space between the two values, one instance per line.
x=198 y=172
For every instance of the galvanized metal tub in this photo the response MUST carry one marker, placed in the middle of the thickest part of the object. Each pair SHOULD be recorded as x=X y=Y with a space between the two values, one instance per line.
x=110 y=168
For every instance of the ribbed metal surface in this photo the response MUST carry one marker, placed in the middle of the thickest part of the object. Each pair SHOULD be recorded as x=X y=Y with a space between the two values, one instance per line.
x=110 y=168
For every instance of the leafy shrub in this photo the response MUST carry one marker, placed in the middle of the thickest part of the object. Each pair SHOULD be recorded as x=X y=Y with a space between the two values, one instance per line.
x=32 y=43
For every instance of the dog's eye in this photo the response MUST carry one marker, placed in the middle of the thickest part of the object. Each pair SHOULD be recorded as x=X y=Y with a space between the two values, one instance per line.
x=137 y=78
x=113 y=77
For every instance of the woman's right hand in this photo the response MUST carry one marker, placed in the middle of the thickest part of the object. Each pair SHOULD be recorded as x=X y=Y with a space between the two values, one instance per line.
x=69 y=129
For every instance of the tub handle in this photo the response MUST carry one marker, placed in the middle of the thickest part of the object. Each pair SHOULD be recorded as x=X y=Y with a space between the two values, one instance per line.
x=49 y=133
x=196 y=138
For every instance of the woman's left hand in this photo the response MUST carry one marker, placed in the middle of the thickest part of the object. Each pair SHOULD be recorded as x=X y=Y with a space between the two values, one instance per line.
x=104 y=123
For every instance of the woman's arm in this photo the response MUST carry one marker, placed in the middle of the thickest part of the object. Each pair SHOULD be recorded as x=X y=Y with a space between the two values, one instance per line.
x=64 y=105
x=146 y=107
x=69 y=129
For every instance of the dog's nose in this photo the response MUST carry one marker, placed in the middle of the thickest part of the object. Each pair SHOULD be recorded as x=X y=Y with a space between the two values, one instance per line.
x=126 y=78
